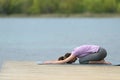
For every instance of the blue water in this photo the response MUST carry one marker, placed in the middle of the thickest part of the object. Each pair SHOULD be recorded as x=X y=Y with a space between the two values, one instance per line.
x=40 y=39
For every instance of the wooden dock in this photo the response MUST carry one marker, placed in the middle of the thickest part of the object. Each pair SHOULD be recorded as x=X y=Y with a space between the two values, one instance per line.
x=15 y=70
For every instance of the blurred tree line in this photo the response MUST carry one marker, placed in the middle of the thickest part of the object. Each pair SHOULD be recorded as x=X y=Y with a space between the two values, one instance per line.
x=58 y=6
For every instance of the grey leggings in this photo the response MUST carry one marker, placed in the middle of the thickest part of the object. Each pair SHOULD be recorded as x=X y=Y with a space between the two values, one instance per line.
x=97 y=56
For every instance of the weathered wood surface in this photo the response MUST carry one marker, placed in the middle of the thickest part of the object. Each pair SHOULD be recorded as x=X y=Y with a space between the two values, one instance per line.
x=31 y=71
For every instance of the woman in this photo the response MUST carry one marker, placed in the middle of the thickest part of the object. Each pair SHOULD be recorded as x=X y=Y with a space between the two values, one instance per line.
x=87 y=54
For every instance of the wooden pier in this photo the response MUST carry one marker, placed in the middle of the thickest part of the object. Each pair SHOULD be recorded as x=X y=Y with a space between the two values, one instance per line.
x=15 y=70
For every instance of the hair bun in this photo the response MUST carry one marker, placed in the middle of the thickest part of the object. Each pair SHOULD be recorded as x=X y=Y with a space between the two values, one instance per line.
x=61 y=58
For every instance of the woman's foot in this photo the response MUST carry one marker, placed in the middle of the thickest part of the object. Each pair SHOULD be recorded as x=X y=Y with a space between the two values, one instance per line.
x=108 y=63
x=99 y=62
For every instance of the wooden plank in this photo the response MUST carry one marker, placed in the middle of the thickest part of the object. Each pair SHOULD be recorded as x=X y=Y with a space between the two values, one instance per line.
x=31 y=71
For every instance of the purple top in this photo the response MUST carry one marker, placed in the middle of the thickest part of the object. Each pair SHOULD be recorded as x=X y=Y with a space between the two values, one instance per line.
x=85 y=50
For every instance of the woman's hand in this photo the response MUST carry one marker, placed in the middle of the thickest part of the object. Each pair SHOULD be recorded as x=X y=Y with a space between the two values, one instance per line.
x=48 y=62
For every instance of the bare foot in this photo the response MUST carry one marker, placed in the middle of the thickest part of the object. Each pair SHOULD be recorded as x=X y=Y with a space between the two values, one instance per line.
x=99 y=62
x=108 y=63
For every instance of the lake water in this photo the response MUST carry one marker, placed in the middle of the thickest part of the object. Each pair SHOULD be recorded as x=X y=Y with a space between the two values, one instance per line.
x=40 y=39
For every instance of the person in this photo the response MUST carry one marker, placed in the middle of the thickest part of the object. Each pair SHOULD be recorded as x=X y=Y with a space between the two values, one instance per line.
x=87 y=54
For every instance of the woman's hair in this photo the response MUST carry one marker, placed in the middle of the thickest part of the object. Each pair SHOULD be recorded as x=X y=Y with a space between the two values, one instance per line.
x=61 y=58
x=64 y=57
x=67 y=55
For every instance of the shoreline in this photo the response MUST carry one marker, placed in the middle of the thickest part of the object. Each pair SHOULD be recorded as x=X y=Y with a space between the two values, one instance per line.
x=88 y=15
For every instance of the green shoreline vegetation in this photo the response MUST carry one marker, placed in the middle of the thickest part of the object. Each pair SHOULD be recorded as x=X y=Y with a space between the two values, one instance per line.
x=105 y=15
x=60 y=8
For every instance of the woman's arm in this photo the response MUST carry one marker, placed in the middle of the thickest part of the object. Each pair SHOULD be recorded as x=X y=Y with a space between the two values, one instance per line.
x=71 y=57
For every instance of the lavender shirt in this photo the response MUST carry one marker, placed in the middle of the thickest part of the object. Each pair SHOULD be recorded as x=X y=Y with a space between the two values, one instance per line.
x=85 y=50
